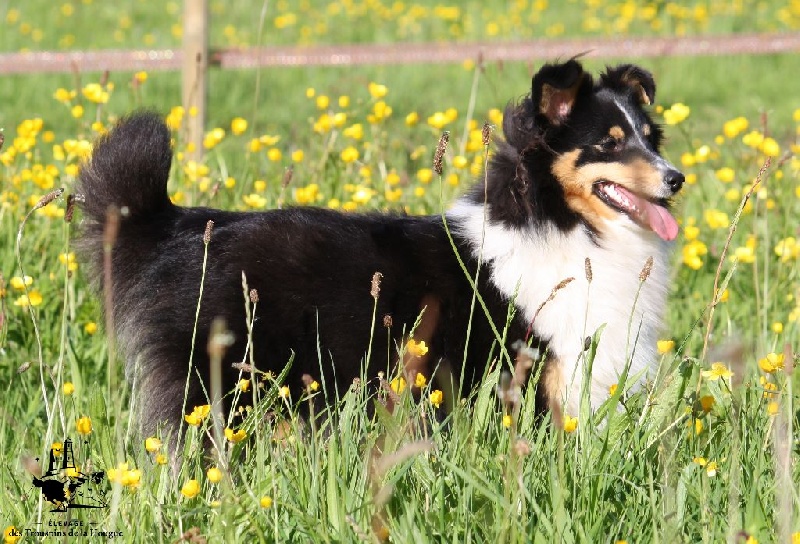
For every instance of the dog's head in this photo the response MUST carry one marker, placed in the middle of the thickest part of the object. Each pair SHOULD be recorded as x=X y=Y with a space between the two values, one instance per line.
x=580 y=151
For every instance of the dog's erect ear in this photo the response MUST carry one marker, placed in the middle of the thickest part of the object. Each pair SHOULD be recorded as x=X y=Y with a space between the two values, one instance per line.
x=639 y=80
x=555 y=88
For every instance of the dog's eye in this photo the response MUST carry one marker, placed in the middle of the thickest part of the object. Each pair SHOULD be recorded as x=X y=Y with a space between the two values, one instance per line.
x=610 y=145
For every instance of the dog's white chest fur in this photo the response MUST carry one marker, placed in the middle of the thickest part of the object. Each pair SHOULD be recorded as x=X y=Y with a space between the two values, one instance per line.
x=530 y=262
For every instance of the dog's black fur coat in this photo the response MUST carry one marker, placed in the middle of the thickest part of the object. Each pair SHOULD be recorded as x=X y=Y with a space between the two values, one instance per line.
x=312 y=269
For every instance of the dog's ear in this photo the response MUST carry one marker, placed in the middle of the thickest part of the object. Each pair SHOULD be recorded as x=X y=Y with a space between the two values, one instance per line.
x=555 y=88
x=632 y=77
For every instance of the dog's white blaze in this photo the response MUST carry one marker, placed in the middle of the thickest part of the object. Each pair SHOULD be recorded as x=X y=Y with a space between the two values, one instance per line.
x=531 y=262
x=660 y=162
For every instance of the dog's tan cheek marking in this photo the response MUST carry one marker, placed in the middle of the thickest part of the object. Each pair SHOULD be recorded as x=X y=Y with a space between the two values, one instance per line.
x=616 y=132
x=577 y=183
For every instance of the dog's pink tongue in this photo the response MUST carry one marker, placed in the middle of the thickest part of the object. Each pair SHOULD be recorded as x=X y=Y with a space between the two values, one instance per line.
x=654 y=216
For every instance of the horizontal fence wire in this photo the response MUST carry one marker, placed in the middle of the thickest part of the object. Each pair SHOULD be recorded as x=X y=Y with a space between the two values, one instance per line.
x=401 y=53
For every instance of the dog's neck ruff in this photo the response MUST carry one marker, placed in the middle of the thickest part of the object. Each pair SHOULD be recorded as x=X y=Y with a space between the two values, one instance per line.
x=525 y=265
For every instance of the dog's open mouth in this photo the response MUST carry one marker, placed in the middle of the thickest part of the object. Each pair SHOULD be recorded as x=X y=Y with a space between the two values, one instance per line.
x=648 y=214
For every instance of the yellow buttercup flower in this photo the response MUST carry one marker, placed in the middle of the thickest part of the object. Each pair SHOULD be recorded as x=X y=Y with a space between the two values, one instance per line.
x=665 y=346
x=235 y=436
x=706 y=403
x=676 y=114
x=152 y=444
x=349 y=154
x=190 y=489
x=398 y=384
x=717 y=371
x=68 y=388
x=20 y=283
x=265 y=502
x=84 y=425
x=420 y=380
x=570 y=424
x=376 y=90
x=199 y=413
x=238 y=126
x=214 y=475
x=771 y=363
x=436 y=397
x=418 y=349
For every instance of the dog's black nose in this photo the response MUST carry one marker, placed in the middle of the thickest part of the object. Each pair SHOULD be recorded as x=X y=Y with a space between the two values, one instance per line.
x=674 y=180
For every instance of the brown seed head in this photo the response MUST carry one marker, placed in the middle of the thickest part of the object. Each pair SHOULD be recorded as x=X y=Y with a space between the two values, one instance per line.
x=587 y=267
x=70 y=208
x=48 y=198
x=207 y=233
x=438 y=157
x=375 y=288
x=387 y=321
x=648 y=267
x=253 y=296
x=287 y=177
x=486 y=133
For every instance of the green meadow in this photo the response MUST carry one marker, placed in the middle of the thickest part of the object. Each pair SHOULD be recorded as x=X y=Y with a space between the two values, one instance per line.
x=709 y=452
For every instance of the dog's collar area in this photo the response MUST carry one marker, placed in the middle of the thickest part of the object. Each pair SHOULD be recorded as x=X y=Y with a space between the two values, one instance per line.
x=646 y=213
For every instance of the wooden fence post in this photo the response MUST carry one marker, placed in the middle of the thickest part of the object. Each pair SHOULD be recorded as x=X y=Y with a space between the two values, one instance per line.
x=195 y=75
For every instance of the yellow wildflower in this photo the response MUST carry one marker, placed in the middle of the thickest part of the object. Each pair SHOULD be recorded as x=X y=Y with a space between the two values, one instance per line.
x=265 y=502
x=665 y=346
x=398 y=384
x=20 y=283
x=190 y=489
x=199 y=413
x=415 y=348
x=376 y=90
x=68 y=388
x=570 y=423
x=349 y=154
x=214 y=475
x=725 y=174
x=771 y=363
x=152 y=444
x=238 y=126
x=676 y=114
x=436 y=397
x=84 y=425
x=717 y=371
x=420 y=380
x=235 y=436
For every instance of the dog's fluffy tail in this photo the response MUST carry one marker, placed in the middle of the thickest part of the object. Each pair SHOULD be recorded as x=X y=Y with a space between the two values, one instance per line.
x=129 y=169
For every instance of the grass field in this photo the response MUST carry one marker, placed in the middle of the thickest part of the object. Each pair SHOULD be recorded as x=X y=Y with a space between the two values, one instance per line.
x=709 y=454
